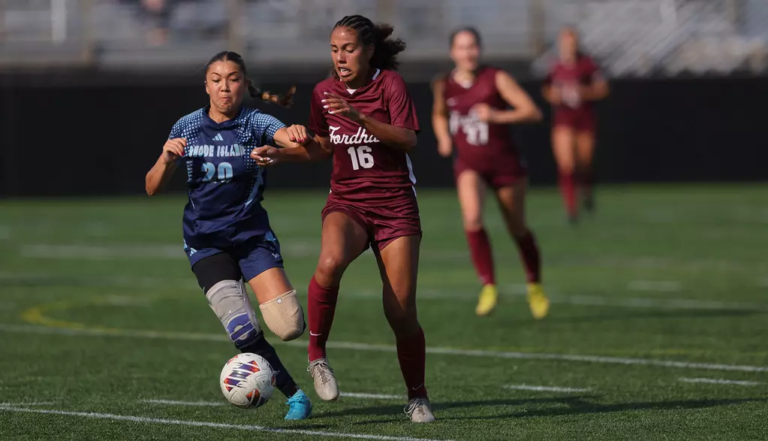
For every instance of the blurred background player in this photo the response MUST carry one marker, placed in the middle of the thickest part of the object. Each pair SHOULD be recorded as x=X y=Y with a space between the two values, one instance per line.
x=364 y=117
x=227 y=235
x=573 y=84
x=471 y=112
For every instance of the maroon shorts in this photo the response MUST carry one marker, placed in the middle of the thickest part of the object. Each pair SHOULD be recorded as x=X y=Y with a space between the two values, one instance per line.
x=384 y=222
x=580 y=120
x=497 y=174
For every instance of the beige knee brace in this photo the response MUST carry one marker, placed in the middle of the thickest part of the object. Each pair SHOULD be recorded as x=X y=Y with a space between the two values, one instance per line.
x=284 y=316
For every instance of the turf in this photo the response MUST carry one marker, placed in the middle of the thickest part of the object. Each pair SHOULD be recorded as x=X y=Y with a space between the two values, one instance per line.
x=99 y=312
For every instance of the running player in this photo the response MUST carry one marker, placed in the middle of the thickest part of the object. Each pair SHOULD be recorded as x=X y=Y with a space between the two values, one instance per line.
x=364 y=117
x=227 y=236
x=573 y=84
x=471 y=112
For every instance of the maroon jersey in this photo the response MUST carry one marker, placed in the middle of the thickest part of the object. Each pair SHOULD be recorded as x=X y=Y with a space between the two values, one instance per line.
x=478 y=144
x=568 y=78
x=364 y=169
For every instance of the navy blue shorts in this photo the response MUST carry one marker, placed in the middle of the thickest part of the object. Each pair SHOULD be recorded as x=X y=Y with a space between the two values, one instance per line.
x=254 y=256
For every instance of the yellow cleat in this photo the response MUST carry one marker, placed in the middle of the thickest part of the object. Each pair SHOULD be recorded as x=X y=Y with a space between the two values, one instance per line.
x=537 y=301
x=489 y=296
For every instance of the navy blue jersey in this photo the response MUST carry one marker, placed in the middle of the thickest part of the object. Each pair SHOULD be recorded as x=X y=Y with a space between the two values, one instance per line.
x=225 y=184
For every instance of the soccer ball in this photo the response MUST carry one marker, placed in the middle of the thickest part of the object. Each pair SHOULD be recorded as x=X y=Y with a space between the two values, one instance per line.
x=247 y=380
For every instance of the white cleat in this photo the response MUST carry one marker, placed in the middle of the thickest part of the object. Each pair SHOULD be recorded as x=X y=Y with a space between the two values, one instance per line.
x=325 y=381
x=420 y=410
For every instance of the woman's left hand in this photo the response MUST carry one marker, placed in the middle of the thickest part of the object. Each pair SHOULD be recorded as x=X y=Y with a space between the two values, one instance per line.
x=337 y=105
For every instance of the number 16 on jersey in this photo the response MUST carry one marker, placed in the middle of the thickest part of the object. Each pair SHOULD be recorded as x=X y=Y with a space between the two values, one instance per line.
x=361 y=157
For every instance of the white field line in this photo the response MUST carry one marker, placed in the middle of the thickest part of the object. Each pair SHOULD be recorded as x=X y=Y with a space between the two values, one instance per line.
x=128 y=333
x=718 y=381
x=372 y=396
x=218 y=403
x=253 y=428
x=185 y=403
x=514 y=290
x=37 y=403
x=544 y=388
x=651 y=285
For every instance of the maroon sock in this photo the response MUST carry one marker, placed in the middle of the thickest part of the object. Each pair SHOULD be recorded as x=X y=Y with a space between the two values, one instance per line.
x=482 y=257
x=321 y=305
x=411 y=353
x=529 y=253
x=568 y=189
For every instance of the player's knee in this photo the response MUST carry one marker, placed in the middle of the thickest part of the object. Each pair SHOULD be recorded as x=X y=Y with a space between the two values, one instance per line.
x=284 y=316
x=472 y=222
x=229 y=300
x=329 y=269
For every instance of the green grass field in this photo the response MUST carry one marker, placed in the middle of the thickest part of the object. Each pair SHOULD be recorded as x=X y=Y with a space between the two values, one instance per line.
x=665 y=289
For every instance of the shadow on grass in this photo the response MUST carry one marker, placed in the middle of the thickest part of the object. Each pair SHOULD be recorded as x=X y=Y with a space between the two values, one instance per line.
x=567 y=406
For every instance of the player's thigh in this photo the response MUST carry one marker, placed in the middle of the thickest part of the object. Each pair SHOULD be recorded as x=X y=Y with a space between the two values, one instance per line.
x=399 y=266
x=585 y=147
x=343 y=239
x=511 y=199
x=270 y=284
x=563 y=147
x=471 y=191
x=261 y=263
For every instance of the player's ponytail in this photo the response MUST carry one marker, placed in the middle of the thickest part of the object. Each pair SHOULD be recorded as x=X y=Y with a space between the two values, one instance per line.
x=385 y=48
x=284 y=100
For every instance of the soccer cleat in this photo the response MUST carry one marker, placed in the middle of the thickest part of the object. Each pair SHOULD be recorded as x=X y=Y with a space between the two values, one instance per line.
x=489 y=296
x=537 y=301
x=300 y=407
x=419 y=410
x=325 y=381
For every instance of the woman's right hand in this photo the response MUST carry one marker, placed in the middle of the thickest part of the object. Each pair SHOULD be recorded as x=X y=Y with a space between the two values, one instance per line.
x=173 y=150
x=445 y=148
x=555 y=96
x=265 y=155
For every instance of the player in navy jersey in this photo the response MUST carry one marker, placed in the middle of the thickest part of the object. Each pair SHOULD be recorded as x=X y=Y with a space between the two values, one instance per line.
x=364 y=117
x=471 y=113
x=573 y=84
x=227 y=236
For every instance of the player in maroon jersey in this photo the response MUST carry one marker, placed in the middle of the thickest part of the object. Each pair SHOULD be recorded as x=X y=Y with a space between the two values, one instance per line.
x=573 y=84
x=364 y=117
x=471 y=112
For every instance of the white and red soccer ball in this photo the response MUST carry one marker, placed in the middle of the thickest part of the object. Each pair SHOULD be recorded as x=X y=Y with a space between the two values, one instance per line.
x=247 y=380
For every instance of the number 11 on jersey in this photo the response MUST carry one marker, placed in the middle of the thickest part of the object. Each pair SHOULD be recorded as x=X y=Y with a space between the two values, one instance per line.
x=361 y=157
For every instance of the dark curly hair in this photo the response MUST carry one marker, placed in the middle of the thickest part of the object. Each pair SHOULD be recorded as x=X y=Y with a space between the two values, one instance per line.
x=385 y=48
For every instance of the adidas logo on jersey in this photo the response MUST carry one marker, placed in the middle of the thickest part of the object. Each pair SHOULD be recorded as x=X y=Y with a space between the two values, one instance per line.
x=218 y=137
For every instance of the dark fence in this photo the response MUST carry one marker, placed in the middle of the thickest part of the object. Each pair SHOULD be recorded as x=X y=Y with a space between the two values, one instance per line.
x=88 y=135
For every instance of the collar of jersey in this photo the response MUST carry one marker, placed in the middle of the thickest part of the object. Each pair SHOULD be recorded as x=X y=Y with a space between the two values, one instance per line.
x=223 y=125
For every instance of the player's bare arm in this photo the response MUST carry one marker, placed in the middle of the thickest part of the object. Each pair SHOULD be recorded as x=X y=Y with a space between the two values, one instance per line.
x=440 y=119
x=166 y=164
x=397 y=138
x=596 y=91
x=312 y=149
x=524 y=110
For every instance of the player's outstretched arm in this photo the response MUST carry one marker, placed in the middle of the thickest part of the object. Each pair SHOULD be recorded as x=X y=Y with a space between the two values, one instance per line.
x=440 y=119
x=596 y=91
x=166 y=164
x=523 y=108
x=312 y=149
x=397 y=138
